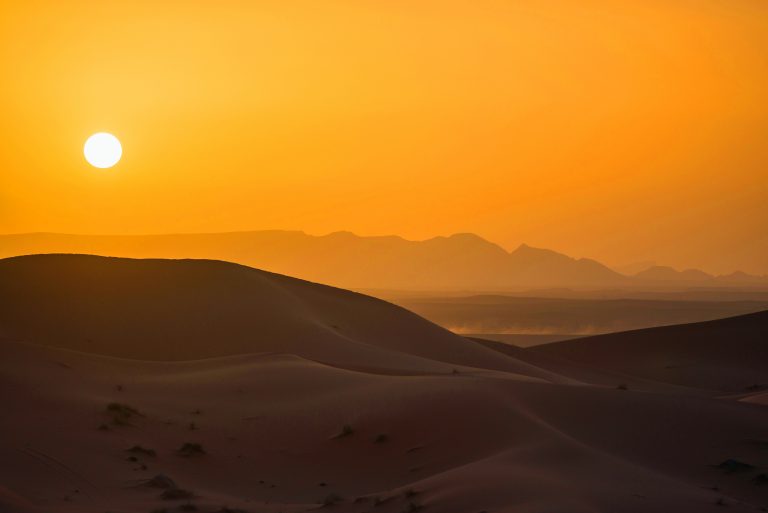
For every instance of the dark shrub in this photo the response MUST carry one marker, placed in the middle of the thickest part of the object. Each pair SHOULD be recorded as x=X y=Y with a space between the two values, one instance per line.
x=176 y=494
x=191 y=449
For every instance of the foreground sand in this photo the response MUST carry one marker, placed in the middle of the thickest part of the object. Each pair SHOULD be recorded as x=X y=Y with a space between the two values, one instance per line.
x=433 y=421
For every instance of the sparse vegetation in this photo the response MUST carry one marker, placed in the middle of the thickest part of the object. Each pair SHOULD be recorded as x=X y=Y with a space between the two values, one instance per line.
x=190 y=449
x=731 y=466
x=622 y=386
x=176 y=494
x=381 y=438
x=142 y=451
x=188 y=507
x=410 y=493
x=160 y=481
x=122 y=413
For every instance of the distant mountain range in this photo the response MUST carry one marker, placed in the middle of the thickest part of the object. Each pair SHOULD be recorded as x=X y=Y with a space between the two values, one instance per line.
x=461 y=262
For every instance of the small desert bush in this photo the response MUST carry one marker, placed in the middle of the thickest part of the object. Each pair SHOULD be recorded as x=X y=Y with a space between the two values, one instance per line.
x=142 y=451
x=160 y=481
x=176 y=494
x=191 y=449
x=122 y=413
x=731 y=466
x=122 y=410
x=381 y=438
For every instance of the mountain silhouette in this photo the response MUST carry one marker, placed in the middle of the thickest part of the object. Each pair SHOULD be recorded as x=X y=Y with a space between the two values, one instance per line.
x=463 y=262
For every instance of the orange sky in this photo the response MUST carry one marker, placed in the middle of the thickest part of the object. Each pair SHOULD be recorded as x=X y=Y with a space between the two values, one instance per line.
x=623 y=131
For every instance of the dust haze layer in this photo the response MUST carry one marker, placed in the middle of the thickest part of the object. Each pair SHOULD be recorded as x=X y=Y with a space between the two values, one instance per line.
x=504 y=316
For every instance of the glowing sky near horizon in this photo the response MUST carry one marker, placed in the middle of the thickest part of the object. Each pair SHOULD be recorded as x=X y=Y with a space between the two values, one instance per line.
x=622 y=131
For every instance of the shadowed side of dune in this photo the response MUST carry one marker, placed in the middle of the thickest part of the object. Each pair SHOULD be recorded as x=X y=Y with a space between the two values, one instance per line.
x=192 y=309
x=726 y=355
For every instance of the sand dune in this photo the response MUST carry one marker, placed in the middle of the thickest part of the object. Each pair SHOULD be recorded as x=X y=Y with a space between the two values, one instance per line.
x=191 y=309
x=274 y=415
x=725 y=355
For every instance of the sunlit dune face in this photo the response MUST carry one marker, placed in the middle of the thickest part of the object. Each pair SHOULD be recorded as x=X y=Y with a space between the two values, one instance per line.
x=103 y=150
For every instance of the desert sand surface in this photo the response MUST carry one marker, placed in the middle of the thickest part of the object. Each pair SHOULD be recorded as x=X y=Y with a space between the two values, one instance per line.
x=153 y=385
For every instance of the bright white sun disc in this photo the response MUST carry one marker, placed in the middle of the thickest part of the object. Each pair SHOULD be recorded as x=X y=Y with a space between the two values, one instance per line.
x=102 y=150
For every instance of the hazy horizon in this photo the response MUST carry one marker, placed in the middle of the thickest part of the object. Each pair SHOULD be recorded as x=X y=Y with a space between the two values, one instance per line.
x=619 y=267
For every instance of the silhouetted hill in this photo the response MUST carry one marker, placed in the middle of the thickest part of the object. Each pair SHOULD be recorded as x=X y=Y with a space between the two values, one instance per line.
x=664 y=273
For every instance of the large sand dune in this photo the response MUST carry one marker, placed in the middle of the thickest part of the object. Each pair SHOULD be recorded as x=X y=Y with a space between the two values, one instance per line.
x=192 y=309
x=372 y=420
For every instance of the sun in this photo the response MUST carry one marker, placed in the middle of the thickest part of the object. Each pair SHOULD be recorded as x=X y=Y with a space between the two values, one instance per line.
x=102 y=150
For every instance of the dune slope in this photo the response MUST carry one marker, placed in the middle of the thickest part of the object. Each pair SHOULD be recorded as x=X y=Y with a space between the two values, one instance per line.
x=725 y=355
x=191 y=309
